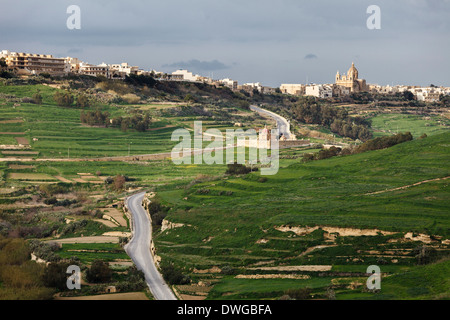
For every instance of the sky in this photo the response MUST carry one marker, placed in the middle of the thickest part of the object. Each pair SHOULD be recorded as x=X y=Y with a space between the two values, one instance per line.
x=273 y=42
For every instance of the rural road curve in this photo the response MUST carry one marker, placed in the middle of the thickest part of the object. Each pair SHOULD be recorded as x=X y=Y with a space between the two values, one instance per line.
x=139 y=249
x=282 y=124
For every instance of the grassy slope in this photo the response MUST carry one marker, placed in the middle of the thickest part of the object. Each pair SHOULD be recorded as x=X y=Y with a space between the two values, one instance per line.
x=421 y=282
x=417 y=125
x=58 y=129
x=332 y=192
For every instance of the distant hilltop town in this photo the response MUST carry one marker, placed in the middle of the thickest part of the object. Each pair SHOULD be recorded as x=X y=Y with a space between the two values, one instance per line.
x=27 y=64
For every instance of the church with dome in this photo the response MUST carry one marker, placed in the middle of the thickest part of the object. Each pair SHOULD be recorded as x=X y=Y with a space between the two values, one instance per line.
x=351 y=80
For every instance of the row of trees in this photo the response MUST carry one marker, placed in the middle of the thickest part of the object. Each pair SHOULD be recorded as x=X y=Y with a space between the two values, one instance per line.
x=309 y=111
x=138 y=122
x=95 y=118
x=346 y=128
x=65 y=99
x=374 y=144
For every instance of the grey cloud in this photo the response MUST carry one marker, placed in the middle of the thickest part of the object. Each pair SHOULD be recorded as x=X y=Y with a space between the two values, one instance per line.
x=310 y=56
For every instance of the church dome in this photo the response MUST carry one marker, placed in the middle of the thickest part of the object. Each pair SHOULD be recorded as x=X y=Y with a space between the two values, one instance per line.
x=353 y=72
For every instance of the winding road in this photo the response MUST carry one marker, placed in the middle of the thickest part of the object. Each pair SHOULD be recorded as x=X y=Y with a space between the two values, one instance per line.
x=282 y=124
x=139 y=249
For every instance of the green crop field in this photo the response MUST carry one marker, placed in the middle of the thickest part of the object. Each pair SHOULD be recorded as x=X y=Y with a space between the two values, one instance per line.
x=224 y=220
x=88 y=252
x=387 y=124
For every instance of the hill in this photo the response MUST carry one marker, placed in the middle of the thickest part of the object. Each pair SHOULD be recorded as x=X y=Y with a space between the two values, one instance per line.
x=345 y=213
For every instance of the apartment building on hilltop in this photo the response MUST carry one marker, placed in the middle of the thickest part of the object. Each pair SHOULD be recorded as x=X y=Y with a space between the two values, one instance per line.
x=29 y=64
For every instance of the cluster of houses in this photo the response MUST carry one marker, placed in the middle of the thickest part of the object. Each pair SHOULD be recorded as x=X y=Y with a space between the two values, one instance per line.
x=425 y=94
x=350 y=83
x=34 y=64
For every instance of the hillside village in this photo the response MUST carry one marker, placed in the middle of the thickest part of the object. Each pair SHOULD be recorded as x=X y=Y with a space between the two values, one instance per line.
x=34 y=64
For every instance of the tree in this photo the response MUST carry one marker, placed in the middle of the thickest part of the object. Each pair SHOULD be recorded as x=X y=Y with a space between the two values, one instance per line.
x=242 y=104
x=408 y=95
x=55 y=275
x=99 y=272
x=444 y=99
x=119 y=182
x=37 y=98
x=63 y=99
x=83 y=101
x=425 y=255
x=189 y=98
x=299 y=294
x=237 y=169
x=3 y=64
x=174 y=276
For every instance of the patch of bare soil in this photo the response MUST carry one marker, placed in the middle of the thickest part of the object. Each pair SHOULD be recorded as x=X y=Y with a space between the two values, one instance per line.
x=22 y=140
x=344 y=232
x=62 y=179
x=212 y=270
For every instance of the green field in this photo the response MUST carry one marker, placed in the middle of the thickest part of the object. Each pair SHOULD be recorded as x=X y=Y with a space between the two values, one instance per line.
x=388 y=124
x=228 y=217
x=429 y=282
x=87 y=253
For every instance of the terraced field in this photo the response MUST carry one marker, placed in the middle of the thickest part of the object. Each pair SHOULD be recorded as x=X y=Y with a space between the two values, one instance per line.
x=240 y=223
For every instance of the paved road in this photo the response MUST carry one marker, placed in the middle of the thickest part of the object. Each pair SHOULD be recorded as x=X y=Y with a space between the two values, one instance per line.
x=139 y=249
x=282 y=124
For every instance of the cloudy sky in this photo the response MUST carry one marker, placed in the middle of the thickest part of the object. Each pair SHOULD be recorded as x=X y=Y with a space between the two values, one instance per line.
x=267 y=41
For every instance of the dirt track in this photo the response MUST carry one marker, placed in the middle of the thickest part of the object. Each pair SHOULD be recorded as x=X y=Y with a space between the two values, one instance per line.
x=406 y=187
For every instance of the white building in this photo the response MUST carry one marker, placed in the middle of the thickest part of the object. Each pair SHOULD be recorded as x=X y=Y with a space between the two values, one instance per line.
x=320 y=91
x=94 y=70
x=122 y=70
x=293 y=89
x=232 y=84
x=185 y=75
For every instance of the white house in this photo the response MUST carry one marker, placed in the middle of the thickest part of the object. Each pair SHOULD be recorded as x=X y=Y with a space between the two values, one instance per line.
x=185 y=75
x=320 y=91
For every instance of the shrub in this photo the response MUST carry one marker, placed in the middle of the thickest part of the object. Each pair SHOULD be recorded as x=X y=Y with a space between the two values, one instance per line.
x=119 y=183
x=55 y=275
x=83 y=101
x=237 y=169
x=63 y=99
x=425 y=255
x=37 y=98
x=173 y=275
x=51 y=189
x=51 y=201
x=99 y=272
x=299 y=294
x=141 y=80
x=131 y=98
